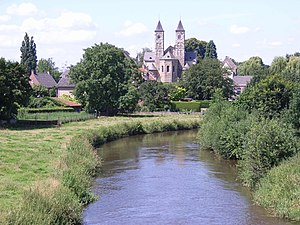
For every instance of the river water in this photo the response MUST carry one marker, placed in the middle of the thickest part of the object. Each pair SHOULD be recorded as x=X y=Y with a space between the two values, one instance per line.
x=164 y=179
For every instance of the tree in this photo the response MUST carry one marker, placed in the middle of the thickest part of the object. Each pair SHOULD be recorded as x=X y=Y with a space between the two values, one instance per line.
x=102 y=77
x=269 y=96
x=195 y=45
x=278 y=65
x=47 y=65
x=211 y=50
x=28 y=54
x=155 y=95
x=202 y=79
x=14 y=88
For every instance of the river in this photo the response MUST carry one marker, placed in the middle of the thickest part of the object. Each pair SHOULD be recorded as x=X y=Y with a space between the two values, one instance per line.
x=164 y=179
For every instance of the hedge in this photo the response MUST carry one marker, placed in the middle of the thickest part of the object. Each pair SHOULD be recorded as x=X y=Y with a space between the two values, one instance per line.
x=45 y=110
x=194 y=106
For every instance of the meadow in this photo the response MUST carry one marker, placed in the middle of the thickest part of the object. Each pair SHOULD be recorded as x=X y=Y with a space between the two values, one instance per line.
x=31 y=155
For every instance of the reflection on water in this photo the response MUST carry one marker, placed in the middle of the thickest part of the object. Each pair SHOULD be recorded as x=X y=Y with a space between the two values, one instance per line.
x=165 y=179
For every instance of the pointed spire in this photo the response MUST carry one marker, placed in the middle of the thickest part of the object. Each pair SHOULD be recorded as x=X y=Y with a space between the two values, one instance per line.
x=159 y=27
x=179 y=27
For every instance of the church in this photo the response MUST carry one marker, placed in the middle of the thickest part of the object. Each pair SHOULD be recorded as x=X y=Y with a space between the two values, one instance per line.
x=167 y=65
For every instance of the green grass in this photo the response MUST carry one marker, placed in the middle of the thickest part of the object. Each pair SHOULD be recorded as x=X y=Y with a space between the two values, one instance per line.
x=279 y=190
x=29 y=156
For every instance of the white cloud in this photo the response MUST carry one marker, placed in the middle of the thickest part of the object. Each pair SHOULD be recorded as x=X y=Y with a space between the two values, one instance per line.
x=275 y=43
x=235 y=29
x=236 y=45
x=4 y=18
x=24 y=9
x=131 y=29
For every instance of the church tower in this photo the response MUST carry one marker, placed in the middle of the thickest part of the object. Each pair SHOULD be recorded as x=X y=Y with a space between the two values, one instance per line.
x=159 y=45
x=179 y=44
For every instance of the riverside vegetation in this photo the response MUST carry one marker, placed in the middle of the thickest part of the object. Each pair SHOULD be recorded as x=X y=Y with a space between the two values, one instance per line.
x=46 y=173
x=266 y=147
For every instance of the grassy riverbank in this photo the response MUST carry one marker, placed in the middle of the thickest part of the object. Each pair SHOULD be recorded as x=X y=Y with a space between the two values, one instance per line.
x=57 y=163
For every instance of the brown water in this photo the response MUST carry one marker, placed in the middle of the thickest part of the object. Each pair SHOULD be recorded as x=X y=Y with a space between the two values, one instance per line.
x=165 y=179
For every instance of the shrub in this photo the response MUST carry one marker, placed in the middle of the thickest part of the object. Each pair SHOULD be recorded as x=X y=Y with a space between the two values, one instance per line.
x=45 y=110
x=267 y=143
x=279 y=189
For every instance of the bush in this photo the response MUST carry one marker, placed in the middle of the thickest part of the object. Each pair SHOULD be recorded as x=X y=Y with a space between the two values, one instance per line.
x=194 y=106
x=267 y=143
x=279 y=189
x=45 y=110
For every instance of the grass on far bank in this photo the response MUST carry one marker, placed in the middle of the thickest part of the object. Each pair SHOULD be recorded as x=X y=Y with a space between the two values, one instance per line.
x=31 y=155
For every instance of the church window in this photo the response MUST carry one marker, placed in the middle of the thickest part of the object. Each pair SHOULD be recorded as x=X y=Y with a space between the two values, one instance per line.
x=173 y=69
x=162 y=68
x=168 y=69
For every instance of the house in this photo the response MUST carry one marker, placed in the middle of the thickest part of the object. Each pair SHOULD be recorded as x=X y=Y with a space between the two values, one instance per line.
x=43 y=79
x=239 y=82
x=65 y=86
x=166 y=65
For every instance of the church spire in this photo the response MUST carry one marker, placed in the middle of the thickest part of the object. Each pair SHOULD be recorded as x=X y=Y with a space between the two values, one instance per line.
x=159 y=27
x=179 y=27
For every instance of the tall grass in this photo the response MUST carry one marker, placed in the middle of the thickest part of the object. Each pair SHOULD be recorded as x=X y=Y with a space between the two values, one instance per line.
x=61 y=198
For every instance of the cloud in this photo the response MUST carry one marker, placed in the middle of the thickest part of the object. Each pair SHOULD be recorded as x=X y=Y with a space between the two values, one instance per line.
x=131 y=29
x=275 y=43
x=235 y=29
x=4 y=18
x=236 y=45
x=23 y=9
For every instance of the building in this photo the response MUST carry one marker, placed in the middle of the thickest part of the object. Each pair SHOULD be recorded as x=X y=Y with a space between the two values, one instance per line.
x=43 y=79
x=65 y=86
x=166 y=65
x=239 y=82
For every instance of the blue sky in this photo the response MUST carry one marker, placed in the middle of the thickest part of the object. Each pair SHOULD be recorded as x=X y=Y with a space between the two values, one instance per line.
x=62 y=29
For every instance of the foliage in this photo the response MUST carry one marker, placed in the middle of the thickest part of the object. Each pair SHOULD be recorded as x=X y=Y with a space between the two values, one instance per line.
x=39 y=91
x=102 y=77
x=28 y=54
x=45 y=110
x=14 y=88
x=176 y=92
x=279 y=192
x=278 y=65
x=269 y=97
x=47 y=65
x=292 y=70
x=128 y=102
x=202 y=79
x=211 y=50
x=253 y=67
x=195 y=45
x=268 y=142
x=154 y=95
x=194 y=106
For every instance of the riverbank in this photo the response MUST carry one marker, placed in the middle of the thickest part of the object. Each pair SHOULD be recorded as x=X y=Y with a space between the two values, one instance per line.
x=54 y=165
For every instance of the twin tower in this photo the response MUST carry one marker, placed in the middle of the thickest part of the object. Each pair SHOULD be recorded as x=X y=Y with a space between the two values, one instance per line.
x=166 y=65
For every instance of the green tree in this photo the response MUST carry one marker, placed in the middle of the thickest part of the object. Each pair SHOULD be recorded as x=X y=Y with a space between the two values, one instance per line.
x=28 y=54
x=269 y=97
x=292 y=70
x=278 y=65
x=102 y=77
x=193 y=44
x=202 y=79
x=14 y=88
x=211 y=50
x=47 y=65
x=154 y=95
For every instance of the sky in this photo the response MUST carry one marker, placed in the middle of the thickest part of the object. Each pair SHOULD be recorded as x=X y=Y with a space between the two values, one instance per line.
x=62 y=29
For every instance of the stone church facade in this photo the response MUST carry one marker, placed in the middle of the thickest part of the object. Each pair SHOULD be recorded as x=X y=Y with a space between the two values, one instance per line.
x=167 y=65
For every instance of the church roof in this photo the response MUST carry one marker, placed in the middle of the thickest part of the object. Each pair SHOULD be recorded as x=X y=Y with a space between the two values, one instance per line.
x=159 y=27
x=149 y=56
x=169 y=55
x=45 y=79
x=179 y=27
